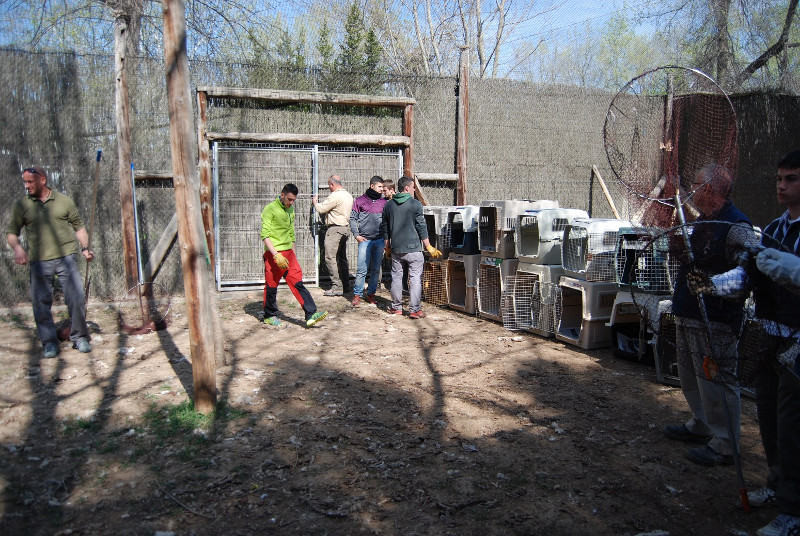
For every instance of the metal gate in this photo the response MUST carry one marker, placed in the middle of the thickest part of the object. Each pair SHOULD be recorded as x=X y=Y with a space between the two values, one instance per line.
x=248 y=176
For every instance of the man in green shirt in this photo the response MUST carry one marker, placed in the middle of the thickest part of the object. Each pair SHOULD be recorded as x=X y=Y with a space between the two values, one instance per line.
x=52 y=224
x=280 y=261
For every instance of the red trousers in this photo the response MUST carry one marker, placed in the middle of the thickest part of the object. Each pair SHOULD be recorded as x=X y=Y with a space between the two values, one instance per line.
x=294 y=278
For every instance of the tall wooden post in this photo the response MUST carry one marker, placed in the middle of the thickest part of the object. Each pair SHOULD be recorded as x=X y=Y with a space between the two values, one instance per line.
x=408 y=130
x=121 y=102
x=204 y=164
x=463 y=116
x=194 y=254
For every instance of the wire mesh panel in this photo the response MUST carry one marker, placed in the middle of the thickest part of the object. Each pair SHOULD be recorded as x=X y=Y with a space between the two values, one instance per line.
x=543 y=308
x=517 y=300
x=434 y=283
x=249 y=176
x=489 y=291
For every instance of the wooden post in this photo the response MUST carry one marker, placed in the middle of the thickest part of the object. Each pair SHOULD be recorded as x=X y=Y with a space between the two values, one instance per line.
x=461 y=135
x=194 y=256
x=129 y=260
x=204 y=166
x=408 y=130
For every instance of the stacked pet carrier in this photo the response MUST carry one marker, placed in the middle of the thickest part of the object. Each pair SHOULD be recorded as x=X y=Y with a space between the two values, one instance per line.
x=588 y=289
x=539 y=234
x=434 y=273
x=641 y=272
x=497 y=221
x=463 y=261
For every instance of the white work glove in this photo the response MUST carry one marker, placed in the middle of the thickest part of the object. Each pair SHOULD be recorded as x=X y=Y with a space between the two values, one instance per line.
x=781 y=267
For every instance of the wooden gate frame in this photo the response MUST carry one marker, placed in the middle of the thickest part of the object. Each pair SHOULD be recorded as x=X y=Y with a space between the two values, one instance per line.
x=204 y=137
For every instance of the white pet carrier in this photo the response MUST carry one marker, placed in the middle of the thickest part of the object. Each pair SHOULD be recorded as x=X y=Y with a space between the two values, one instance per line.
x=589 y=248
x=462 y=282
x=463 y=224
x=583 y=309
x=641 y=260
x=540 y=232
x=497 y=221
x=434 y=282
x=436 y=219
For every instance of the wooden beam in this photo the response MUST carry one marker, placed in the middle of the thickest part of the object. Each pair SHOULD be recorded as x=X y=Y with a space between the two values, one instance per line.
x=408 y=131
x=130 y=261
x=461 y=135
x=329 y=139
x=202 y=318
x=310 y=97
x=152 y=175
x=420 y=194
x=204 y=167
x=160 y=251
x=437 y=177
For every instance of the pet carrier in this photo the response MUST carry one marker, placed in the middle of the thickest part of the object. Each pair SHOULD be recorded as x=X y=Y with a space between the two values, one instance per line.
x=438 y=228
x=630 y=337
x=497 y=221
x=589 y=247
x=463 y=225
x=540 y=232
x=462 y=282
x=492 y=273
x=544 y=296
x=582 y=310
x=642 y=260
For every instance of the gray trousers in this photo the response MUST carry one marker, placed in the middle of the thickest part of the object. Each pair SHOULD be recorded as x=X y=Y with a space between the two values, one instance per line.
x=415 y=262
x=707 y=398
x=336 y=256
x=43 y=275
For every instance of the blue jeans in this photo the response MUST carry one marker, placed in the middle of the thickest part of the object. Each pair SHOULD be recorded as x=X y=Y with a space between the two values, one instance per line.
x=42 y=276
x=370 y=254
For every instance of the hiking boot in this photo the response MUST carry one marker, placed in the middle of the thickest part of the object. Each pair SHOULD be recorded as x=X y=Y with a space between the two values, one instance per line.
x=783 y=525
x=356 y=301
x=417 y=314
x=333 y=292
x=394 y=311
x=761 y=497
x=50 y=350
x=82 y=345
x=371 y=299
x=316 y=318
x=272 y=321
x=708 y=457
x=679 y=432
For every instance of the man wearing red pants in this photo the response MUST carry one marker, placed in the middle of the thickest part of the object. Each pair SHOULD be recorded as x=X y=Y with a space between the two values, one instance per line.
x=280 y=261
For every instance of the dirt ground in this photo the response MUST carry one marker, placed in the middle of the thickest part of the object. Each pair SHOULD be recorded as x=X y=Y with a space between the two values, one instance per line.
x=364 y=424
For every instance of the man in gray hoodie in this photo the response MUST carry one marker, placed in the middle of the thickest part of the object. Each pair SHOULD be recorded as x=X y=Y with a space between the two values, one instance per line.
x=405 y=234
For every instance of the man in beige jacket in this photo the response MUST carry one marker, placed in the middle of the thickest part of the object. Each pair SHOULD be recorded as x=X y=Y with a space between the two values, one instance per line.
x=336 y=210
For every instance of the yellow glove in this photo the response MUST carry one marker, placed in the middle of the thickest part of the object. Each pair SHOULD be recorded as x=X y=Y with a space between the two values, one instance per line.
x=387 y=252
x=281 y=261
x=435 y=253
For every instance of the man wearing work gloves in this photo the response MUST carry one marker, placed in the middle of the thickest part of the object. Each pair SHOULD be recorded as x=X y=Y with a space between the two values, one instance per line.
x=405 y=234
x=280 y=261
x=775 y=282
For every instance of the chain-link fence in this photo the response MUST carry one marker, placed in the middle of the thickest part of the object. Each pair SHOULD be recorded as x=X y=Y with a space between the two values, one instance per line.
x=524 y=141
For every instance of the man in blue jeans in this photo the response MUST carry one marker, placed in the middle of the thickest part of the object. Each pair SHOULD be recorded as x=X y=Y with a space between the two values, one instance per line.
x=365 y=224
x=52 y=223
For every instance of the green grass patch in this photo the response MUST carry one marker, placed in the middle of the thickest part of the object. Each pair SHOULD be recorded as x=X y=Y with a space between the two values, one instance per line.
x=182 y=420
x=74 y=426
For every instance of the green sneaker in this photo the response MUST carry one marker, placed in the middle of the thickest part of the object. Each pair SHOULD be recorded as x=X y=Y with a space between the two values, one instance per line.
x=272 y=321
x=315 y=318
